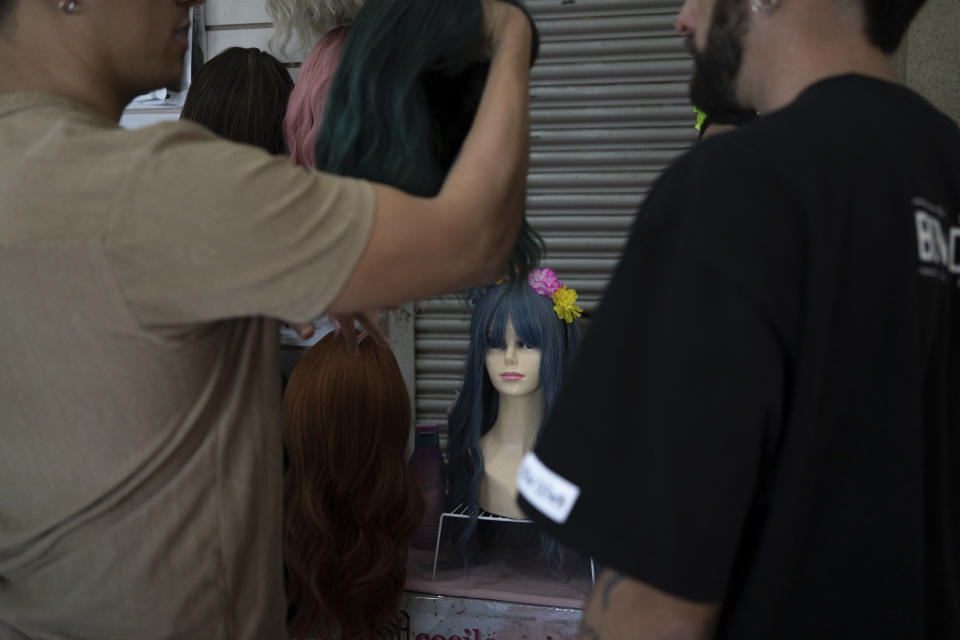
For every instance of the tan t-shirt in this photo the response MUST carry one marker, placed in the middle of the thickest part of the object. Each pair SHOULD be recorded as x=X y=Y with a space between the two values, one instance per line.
x=140 y=457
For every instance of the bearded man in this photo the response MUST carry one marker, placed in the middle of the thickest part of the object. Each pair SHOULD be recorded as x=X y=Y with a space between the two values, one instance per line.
x=760 y=437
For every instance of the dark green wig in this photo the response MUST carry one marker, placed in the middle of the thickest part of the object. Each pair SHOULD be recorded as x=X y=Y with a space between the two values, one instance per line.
x=404 y=97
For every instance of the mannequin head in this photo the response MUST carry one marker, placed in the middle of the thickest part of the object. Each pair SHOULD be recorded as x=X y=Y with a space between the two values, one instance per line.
x=306 y=106
x=404 y=96
x=307 y=21
x=500 y=313
x=535 y=324
x=350 y=505
x=241 y=94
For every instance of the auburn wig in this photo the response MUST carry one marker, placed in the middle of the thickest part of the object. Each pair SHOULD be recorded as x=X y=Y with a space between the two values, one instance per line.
x=350 y=504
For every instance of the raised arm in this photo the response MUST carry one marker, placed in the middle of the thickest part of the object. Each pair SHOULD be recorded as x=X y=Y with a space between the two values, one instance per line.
x=420 y=247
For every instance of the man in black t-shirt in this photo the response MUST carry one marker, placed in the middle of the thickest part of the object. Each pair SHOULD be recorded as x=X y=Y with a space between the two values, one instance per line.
x=760 y=437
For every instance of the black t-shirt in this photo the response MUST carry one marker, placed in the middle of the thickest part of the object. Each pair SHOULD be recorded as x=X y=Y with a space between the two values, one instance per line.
x=765 y=412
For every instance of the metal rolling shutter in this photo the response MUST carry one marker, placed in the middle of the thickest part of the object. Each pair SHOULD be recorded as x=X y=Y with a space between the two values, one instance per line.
x=609 y=111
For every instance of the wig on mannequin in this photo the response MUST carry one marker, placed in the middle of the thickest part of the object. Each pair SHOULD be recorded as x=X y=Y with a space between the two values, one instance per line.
x=350 y=506
x=307 y=21
x=404 y=97
x=475 y=411
x=306 y=106
x=241 y=94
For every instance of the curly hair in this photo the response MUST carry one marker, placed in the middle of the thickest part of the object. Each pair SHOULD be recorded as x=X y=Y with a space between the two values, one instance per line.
x=306 y=21
x=350 y=504
x=305 y=109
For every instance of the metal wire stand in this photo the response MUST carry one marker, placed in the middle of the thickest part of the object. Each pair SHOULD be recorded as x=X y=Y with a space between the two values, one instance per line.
x=460 y=511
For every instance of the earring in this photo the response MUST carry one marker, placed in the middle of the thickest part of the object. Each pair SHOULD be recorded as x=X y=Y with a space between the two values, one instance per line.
x=763 y=6
x=68 y=7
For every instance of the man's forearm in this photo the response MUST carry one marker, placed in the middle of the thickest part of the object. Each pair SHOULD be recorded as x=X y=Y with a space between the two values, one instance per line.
x=621 y=607
x=486 y=184
x=420 y=247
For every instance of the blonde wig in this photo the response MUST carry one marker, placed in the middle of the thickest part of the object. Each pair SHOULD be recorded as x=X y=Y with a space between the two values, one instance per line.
x=304 y=22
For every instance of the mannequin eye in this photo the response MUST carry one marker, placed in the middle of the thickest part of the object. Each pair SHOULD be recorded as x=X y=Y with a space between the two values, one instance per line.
x=523 y=345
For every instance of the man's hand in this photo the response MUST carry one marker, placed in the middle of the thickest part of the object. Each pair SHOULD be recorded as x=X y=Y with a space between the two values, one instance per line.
x=622 y=608
x=422 y=247
x=371 y=326
x=346 y=321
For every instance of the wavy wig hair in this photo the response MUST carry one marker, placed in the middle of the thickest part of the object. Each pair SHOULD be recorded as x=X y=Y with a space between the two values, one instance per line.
x=350 y=504
x=305 y=109
x=475 y=410
x=305 y=22
x=241 y=94
x=404 y=97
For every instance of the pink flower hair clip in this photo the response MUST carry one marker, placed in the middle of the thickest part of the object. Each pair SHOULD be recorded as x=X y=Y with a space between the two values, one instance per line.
x=544 y=282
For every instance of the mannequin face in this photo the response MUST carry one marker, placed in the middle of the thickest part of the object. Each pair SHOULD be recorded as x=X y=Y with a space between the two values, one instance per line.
x=514 y=370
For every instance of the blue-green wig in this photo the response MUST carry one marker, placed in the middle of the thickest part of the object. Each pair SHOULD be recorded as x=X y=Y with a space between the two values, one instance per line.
x=475 y=411
x=404 y=97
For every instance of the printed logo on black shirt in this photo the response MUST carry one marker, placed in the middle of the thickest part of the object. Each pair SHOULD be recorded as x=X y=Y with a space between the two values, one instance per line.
x=938 y=242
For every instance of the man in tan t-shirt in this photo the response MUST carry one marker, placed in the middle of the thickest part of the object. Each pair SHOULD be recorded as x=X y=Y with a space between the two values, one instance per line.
x=139 y=400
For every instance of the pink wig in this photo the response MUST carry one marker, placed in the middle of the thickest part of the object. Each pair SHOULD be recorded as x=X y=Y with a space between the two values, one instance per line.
x=305 y=108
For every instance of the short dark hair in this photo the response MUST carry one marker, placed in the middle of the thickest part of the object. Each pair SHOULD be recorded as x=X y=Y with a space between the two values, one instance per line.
x=241 y=94
x=887 y=21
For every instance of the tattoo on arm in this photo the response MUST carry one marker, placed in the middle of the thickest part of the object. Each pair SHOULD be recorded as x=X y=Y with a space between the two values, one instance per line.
x=587 y=631
x=608 y=587
x=623 y=607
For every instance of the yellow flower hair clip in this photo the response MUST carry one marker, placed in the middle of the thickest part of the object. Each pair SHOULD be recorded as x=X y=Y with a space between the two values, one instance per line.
x=565 y=304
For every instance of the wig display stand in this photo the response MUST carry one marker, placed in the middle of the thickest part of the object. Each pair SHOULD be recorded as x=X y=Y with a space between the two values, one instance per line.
x=460 y=512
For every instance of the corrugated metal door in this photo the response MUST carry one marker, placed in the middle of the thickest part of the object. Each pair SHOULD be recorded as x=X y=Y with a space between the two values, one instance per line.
x=609 y=112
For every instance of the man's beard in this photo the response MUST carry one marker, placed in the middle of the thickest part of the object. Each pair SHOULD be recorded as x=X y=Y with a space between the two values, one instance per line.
x=713 y=85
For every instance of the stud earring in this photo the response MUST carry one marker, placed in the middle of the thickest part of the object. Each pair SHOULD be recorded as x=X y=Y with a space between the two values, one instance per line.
x=68 y=7
x=763 y=6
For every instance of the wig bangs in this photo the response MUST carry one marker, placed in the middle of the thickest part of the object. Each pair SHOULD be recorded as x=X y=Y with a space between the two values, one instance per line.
x=532 y=316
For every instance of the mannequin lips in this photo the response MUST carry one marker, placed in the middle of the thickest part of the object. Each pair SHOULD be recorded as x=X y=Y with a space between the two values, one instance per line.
x=512 y=376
